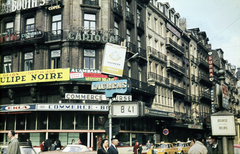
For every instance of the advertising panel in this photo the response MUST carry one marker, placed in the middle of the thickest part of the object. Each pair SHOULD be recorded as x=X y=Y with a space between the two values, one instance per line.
x=113 y=59
x=47 y=75
x=77 y=74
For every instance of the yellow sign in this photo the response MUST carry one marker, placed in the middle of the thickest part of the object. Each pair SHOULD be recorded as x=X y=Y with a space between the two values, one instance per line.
x=47 y=75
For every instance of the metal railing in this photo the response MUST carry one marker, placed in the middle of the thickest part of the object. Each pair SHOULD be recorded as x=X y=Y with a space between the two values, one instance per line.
x=90 y=2
x=157 y=54
x=176 y=67
x=206 y=94
x=129 y=17
x=140 y=24
x=54 y=35
x=178 y=89
x=175 y=45
x=202 y=61
x=203 y=76
x=188 y=98
x=117 y=8
x=158 y=78
x=142 y=52
x=193 y=59
x=118 y=39
x=131 y=47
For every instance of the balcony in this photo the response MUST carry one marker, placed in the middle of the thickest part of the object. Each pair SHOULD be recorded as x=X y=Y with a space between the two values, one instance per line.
x=131 y=47
x=158 y=78
x=206 y=95
x=142 y=53
x=140 y=24
x=139 y=85
x=194 y=60
x=175 y=68
x=129 y=17
x=118 y=39
x=117 y=8
x=204 y=77
x=188 y=98
x=178 y=89
x=195 y=99
x=55 y=35
x=203 y=62
x=153 y=53
x=90 y=2
x=177 y=49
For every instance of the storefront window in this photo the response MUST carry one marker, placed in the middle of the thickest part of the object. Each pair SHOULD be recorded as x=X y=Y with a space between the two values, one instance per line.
x=42 y=120
x=67 y=120
x=82 y=121
x=20 y=121
x=100 y=120
x=10 y=121
x=54 y=120
x=124 y=139
x=2 y=122
x=31 y=121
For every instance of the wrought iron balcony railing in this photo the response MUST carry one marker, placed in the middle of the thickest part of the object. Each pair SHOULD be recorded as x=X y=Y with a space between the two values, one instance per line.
x=140 y=24
x=90 y=2
x=157 y=54
x=177 y=48
x=118 y=39
x=129 y=17
x=203 y=62
x=176 y=67
x=158 y=78
x=206 y=94
x=204 y=77
x=188 y=98
x=131 y=47
x=142 y=52
x=54 y=35
x=178 y=89
x=194 y=60
x=117 y=8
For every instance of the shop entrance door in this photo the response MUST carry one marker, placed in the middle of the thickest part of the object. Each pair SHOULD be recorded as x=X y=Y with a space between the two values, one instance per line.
x=98 y=137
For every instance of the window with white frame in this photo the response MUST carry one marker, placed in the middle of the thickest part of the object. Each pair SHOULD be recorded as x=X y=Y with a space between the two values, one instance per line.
x=9 y=27
x=89 y=21
x=149 y=20
x=89 y=59
x=115 y=28
x=128 y=36
x=7 y=64
x=30 y=24
x=129 y=69
x=55 y=58
x=28 y=61
x=56 y=24
x=155 y=24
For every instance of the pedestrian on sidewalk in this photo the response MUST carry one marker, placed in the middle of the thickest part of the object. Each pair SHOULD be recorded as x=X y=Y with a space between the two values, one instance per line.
x=135 y=148
x=198 y=147
x=13 y=147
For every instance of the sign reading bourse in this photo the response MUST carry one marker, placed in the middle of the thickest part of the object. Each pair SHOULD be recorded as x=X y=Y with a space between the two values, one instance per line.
x=223 y=125
x=112 y=87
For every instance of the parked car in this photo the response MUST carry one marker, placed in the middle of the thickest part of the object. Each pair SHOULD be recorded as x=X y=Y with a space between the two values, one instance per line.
x=182 y=147
x=163 y=148
x=72 y=149
x=23 y=149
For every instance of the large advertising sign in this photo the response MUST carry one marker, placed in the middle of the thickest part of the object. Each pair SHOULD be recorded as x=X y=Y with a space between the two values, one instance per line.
x=77 y=74
x=47 y=75
x=210 y=65
x=113 y=59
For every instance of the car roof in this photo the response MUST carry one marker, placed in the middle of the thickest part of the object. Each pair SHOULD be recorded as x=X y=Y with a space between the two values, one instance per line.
x=163 y=143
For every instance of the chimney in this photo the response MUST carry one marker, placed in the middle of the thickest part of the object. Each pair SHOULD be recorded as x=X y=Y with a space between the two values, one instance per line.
x=183 y=24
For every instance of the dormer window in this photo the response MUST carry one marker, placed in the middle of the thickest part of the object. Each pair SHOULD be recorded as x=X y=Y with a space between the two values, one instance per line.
x=166 y=11
x=170 y=15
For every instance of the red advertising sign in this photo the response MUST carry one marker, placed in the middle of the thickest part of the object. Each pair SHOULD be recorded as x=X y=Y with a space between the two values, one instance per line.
x=210 y=66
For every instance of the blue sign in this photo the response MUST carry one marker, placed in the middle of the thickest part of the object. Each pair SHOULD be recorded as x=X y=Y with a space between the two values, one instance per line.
x=112 y=87
x=17 y=108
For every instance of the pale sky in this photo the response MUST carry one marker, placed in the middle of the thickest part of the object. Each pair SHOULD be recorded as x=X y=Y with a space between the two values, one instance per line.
x=220 y=19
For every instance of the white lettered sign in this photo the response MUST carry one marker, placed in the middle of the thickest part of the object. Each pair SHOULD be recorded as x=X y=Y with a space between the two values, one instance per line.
x=125 y=109
x=223 y=125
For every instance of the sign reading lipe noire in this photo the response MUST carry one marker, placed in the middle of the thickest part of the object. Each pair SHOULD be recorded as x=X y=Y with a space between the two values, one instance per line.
x=112 y=87
x=47 y=75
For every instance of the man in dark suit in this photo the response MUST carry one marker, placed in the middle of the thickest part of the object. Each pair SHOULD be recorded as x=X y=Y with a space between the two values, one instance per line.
x=213 y=145
x=113 y=148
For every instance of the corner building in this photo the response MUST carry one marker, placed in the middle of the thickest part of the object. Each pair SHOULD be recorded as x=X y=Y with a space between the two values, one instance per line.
x=50 y=48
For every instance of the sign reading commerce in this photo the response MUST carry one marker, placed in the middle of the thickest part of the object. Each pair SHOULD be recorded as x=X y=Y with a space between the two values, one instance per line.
x=111 y=87
x=47 y=75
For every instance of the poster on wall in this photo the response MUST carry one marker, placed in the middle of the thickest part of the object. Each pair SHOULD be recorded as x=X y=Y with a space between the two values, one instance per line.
x=113 y=59
x=77 y=74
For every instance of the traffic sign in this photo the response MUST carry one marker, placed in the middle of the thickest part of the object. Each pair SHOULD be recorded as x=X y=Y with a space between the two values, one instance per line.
x=165 y=131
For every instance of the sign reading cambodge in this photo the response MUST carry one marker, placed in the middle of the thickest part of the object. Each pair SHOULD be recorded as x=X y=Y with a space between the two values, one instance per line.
x=77 y=74
x=113 y=59
x=47 y=75
x=112 y=87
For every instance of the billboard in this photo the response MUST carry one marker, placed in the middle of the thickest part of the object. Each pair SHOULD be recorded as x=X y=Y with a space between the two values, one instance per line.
x=46 y=75
x=77 y=74
x=113 y=59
